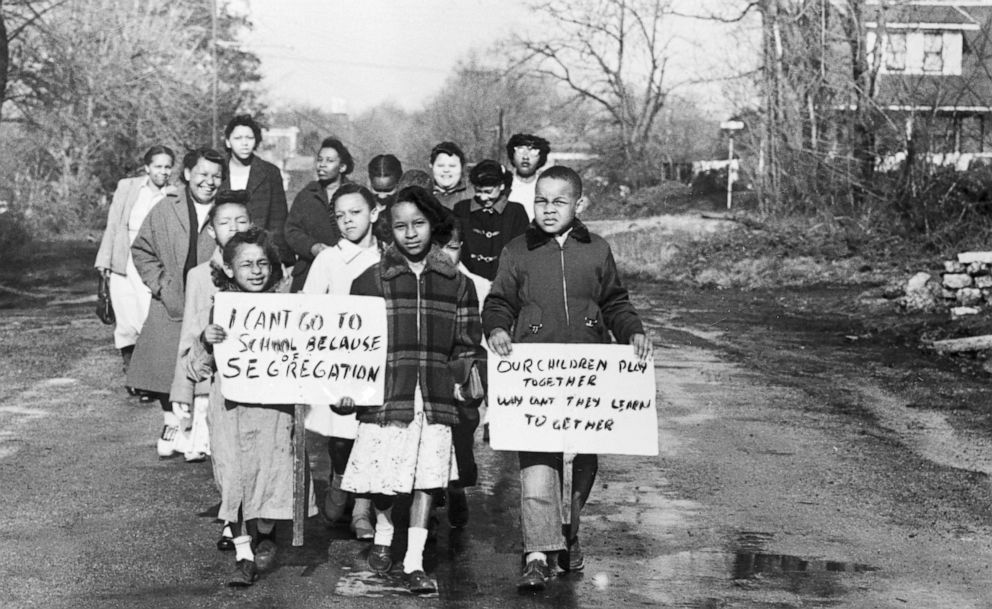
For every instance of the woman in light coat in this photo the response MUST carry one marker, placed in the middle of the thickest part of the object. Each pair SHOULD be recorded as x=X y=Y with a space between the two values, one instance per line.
x=132 y=201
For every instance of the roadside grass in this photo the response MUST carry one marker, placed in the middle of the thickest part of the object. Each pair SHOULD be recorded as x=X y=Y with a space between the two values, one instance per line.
x=751 y=252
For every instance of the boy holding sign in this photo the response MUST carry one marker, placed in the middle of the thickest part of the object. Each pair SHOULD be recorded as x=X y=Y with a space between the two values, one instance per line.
x=558 y=283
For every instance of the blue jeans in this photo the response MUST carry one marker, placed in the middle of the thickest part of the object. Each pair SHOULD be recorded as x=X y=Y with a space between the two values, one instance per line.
x=541 y=500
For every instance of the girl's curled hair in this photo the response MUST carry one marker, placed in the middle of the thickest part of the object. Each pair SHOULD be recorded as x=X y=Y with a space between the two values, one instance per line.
x=253 y=236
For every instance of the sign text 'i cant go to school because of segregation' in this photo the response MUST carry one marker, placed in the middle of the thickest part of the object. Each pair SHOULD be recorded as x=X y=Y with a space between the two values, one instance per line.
x=572 y=398
x=301 y=348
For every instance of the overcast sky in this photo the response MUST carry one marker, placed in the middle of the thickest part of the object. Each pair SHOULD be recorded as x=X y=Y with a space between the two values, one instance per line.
x=369 y=51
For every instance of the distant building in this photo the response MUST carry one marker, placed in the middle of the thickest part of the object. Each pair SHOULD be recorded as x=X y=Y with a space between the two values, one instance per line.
x=933 y=64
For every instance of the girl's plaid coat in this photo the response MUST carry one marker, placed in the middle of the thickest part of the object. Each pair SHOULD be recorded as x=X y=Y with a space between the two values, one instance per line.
x=434 y=333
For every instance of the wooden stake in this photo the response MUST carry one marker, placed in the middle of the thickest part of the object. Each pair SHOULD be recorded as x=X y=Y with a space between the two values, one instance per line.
x=959 y=345
x=566 y=488
x=300 y=494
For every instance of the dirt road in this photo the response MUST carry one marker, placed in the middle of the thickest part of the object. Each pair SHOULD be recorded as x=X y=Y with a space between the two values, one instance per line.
x=805 y=462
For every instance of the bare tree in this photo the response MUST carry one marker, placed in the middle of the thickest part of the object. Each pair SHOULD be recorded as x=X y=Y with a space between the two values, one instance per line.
x=95 y=82
x=613 y=54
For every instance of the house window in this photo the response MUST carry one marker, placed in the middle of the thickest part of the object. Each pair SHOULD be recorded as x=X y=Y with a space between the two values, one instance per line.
x=971 y=134
x=895 y=52
x=933 y=52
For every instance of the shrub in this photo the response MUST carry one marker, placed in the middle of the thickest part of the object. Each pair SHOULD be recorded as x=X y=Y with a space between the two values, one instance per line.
x=15 y=236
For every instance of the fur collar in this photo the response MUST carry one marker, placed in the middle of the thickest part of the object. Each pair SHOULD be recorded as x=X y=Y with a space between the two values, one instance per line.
x=537 y=237
x=395 y=264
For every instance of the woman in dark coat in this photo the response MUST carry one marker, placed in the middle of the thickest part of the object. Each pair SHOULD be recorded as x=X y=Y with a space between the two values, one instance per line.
x=262 y=180
x=310 y=227
x=172 y=240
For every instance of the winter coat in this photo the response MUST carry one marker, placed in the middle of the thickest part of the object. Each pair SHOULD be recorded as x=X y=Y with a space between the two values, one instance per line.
x=448 y=198
x=115 y=246
x=200 y=290
x=487 y=231
x=434 y=335
x=267 y=203
x=159 y=253
x=550 y=293
x=309 y=223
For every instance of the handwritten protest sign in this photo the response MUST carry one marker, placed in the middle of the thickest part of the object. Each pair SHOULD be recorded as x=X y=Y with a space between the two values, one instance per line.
x=301 y=348
x=572 y=398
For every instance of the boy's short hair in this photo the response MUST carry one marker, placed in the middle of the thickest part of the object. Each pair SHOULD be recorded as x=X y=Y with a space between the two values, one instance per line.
x=208 y=154
x=449 y=148
x=228 y=197
x=542 y=145
x=244 y=120
x=385 y=166
x=347 y=161
x=560 y=172
x=351 y=188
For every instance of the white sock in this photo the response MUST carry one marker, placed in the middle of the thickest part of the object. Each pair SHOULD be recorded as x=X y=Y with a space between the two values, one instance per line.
x=242 y=548
x=541 y=556
x=383 y=527
x=170 y=418
x=414 y=559
x=226 y=532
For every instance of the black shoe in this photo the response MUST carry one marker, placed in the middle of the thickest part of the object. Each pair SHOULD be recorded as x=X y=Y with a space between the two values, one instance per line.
x=225 y=544
x=457 y=508
x=380 y=560
x=145 y=398
x=535 y=577
x=131 y=391
x=265 y=554
x=245 y=574
x=419 y=583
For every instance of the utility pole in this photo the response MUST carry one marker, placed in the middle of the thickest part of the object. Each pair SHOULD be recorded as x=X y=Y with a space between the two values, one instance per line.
x=730 y=127
x=497 y=154
x=213 y=52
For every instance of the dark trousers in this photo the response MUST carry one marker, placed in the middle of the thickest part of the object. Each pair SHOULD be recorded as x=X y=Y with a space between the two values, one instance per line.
x=463 y=438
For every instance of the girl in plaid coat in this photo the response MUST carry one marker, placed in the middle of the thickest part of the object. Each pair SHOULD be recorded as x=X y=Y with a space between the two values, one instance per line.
x=434 y=339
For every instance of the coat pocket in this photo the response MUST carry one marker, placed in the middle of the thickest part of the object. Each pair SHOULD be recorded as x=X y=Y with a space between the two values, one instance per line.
x=530 y=324
x=592 y=320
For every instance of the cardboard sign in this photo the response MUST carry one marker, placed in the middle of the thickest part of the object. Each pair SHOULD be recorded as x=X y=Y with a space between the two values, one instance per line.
x=301 y=348
x=572 y=398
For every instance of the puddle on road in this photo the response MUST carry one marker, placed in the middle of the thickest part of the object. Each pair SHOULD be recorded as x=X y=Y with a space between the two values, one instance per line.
x=744 y=570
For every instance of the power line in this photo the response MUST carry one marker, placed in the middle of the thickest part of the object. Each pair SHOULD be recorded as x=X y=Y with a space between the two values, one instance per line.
x=358 y=64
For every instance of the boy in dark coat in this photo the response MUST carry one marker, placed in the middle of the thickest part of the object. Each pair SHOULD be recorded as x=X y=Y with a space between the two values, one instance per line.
x=557 y=283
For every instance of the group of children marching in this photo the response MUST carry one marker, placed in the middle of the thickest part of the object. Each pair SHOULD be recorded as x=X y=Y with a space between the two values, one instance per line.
x=548 y=280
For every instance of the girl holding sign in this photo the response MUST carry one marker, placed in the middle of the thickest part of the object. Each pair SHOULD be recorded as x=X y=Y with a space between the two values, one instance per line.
x=254 y=441
x=355 y=211
x=434 y=339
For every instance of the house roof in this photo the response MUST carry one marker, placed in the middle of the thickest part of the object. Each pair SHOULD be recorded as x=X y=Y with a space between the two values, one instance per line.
x=971 y=15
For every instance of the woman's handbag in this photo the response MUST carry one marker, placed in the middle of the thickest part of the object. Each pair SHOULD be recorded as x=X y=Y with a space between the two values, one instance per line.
x=104 y=308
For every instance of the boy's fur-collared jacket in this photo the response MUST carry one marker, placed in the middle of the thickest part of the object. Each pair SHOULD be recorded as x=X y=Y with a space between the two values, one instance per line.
x=434 y=333
x=550 y=293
